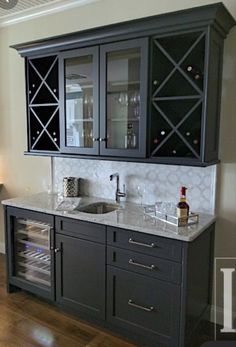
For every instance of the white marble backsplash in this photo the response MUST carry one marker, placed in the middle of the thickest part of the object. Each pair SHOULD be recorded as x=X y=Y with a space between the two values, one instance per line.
x=159 y=182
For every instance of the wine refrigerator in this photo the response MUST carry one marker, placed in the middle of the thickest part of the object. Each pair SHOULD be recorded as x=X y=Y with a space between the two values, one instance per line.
x=31 y=240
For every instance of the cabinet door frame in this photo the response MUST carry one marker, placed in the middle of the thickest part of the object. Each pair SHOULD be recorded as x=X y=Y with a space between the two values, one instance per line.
x=94 y=51
x=98 y=311
x=143 y=44
x=34 y=288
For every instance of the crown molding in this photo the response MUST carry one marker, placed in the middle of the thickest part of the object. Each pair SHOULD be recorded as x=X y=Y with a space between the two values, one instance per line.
x=42 y=10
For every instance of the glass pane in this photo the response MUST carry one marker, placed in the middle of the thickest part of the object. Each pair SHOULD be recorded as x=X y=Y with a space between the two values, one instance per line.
x=123 y=98
x=32 y=251
x=79 y=101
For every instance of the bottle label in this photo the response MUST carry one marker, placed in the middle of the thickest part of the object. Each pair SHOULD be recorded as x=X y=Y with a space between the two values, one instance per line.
x=182 y=212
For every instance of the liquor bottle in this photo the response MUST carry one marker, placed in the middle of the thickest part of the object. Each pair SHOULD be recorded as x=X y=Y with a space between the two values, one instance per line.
x=182 y=206
x=129 y=136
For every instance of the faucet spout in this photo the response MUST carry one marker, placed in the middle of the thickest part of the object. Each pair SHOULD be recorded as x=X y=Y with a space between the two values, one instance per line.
x=114 y=175
x=119 y=194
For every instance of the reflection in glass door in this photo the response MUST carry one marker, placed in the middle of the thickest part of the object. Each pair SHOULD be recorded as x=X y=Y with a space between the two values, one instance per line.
x=123 y=98
x=80 y=100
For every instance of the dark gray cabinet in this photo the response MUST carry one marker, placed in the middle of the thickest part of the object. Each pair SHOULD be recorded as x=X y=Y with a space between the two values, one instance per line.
x=153 y=285
x=147 y=90
x=80 y=266
x=185 y=102
x=80 y=275
x=143 y=286
x=144 y=306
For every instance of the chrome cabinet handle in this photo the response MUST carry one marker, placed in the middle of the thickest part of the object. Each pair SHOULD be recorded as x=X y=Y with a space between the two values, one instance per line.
x=95 y=139
x=104 y=139
x=149 y=267
x=147 y=309
x=151 y=245
x=57 y=250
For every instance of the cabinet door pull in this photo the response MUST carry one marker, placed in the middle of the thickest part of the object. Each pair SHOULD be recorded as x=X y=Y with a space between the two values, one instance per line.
x=147 y=309
x=57 y=250
x=149 y=267
x=104 y=139
x=151 y=245
x=95 y=139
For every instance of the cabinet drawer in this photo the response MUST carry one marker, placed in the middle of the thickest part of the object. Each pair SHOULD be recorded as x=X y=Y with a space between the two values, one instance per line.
x=83 y=230
x=145 y=243
x=144 y=305
x=144 y=264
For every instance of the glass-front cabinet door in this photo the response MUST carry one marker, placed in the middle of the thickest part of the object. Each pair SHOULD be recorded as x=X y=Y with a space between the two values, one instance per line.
x=123 y=98
x=79 y=98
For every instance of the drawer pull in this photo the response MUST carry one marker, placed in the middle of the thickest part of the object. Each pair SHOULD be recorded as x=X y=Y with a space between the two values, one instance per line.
x=147 y=309
x=151 y=245
x=149 y=267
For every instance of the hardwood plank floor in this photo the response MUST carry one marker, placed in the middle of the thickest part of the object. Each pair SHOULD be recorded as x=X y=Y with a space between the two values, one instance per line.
x=26 y=321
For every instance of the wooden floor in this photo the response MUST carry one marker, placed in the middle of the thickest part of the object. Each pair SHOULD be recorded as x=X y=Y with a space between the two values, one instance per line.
x=26 y=321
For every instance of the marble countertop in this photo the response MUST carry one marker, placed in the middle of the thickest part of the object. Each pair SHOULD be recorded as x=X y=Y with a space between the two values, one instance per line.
x=128 y=215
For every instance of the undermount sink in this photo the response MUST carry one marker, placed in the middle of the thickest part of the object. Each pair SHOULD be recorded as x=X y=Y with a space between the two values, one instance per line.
x=98 y=208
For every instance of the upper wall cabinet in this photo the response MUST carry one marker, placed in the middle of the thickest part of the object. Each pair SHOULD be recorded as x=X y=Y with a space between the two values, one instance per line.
x=103 y=105
x=146 y=90
x=183 y=125
x=43 y=104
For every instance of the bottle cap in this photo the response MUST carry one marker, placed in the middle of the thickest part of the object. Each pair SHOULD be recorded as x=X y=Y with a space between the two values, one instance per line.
x=183 y=190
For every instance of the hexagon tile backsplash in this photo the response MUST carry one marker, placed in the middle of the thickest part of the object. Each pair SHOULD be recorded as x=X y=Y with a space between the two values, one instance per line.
x=156 y=182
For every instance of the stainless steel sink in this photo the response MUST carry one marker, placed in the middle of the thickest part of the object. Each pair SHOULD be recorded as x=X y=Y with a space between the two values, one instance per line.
x=98 y=208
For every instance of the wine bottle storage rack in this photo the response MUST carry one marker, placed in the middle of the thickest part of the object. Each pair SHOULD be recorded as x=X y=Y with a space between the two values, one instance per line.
x=177 y=95
x=40 y=257
x=32 y=251
x=43 y=103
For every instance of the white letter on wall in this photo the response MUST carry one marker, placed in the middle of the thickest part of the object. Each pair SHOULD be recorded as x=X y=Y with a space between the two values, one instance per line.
x=228 y=276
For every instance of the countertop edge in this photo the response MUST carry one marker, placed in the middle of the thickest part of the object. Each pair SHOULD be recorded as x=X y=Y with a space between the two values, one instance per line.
x=90 y=218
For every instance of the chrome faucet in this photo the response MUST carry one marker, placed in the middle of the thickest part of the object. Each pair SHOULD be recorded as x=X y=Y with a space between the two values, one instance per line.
x=119 y=194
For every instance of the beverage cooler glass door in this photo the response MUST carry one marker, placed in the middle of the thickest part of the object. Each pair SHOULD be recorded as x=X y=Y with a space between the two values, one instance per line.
x=33 y=254
x=123 y=92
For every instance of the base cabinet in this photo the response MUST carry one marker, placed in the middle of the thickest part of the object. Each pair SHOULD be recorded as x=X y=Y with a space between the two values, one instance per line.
x=80 y=275
x=144 y=305
x=143 y=286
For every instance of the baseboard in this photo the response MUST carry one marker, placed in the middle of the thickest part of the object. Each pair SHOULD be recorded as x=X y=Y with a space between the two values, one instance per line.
x=2 y=247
